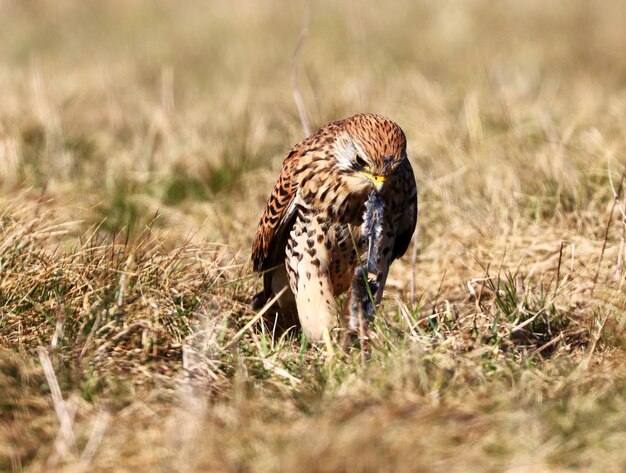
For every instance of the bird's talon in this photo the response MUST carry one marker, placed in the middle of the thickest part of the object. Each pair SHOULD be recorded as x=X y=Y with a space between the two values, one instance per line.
x=330 y=351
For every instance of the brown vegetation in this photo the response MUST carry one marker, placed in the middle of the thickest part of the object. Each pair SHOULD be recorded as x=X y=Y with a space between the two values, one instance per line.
x=138 y=143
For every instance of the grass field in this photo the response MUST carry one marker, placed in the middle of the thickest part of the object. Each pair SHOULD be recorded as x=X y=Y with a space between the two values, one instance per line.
x=138 y=144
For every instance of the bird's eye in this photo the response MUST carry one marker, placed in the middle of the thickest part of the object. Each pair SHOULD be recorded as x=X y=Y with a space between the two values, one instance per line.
x=361 y=162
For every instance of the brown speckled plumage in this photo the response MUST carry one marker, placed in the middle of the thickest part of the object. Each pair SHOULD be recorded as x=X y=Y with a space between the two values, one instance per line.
x=308 y=232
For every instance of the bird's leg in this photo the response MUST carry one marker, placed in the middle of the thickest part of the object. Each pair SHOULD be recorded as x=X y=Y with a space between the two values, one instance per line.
x=330 y=351
x=347 y=335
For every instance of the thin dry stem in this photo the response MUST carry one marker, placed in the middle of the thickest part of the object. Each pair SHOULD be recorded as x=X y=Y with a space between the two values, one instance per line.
x=297 y=96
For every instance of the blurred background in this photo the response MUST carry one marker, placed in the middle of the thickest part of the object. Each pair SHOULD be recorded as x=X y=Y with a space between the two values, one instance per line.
x=119 y=110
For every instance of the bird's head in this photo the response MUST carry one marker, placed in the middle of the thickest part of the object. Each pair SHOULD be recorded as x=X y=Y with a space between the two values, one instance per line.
x=368 y=150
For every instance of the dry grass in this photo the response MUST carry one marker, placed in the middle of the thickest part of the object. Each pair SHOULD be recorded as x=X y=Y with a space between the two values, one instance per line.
x=138 y=143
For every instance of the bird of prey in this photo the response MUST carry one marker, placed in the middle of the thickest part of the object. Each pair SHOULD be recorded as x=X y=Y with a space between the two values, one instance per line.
x=312 y=237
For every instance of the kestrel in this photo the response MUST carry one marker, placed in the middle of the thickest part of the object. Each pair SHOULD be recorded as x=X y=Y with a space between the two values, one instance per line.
x=312 y=236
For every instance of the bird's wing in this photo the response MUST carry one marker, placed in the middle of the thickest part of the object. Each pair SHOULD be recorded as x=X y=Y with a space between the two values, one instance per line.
x=408 y=220
x=277 y=218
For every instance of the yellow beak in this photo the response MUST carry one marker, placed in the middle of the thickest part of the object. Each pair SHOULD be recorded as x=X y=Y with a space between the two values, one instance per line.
x=377 y=180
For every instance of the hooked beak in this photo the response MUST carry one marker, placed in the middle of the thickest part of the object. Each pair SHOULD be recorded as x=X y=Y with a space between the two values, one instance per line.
x=376 y=179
